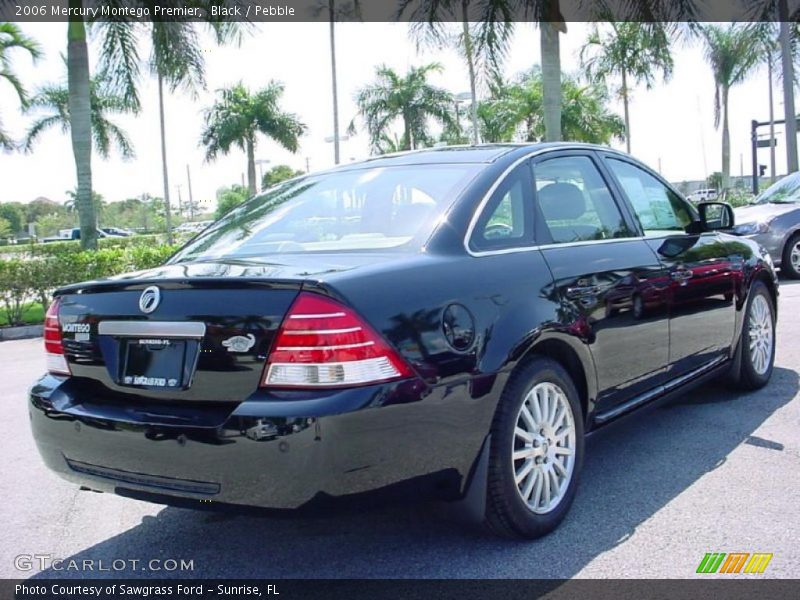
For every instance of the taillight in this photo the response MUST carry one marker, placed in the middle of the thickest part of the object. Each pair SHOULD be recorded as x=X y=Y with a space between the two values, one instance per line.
x=323 y=343
x=53 y=346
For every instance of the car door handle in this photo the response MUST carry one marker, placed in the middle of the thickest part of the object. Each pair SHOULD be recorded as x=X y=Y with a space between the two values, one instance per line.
x=582 y=290
x=681 y=274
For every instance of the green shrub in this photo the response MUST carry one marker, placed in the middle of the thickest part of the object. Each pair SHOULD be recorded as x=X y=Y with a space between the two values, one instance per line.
x=67 y=246
x=15 y=289
x=31 y=278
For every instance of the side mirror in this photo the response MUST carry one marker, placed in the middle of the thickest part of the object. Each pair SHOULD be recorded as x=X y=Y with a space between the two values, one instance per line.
x=716 y=215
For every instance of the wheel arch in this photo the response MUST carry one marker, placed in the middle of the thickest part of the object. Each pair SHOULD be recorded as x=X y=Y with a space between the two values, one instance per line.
x=576 y=361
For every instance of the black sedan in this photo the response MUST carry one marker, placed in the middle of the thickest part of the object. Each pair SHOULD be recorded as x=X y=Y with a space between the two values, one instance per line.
x=448 y=323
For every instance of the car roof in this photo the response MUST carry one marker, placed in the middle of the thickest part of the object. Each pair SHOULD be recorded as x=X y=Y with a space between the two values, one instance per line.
x=467 y=154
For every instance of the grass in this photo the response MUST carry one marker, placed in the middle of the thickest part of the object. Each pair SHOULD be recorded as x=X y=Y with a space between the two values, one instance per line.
x=33 y=315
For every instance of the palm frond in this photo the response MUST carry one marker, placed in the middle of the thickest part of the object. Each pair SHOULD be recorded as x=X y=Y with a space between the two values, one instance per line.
x=38 y=127
x=120 y=59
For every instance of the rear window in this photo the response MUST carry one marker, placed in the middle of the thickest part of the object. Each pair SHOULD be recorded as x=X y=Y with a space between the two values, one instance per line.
x=365 y=209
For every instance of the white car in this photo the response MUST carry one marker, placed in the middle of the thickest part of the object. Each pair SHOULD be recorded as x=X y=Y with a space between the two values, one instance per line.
x=704 y=195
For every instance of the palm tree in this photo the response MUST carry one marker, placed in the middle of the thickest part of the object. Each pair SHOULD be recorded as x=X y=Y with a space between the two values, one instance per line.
x=634 y=52
x=70 y=204
x=547 y=14
x=80 y=110
x=176 y=61
x=433 y=27
x=54 y=100
x=238 y=117
x=11 y=37
x=120 y=60
x=515 y=111
x=585 y=116
x=410 y=99
x=731 y=53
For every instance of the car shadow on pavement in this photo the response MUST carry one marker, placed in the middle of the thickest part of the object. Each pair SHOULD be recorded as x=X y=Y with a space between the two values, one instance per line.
x=630 y=473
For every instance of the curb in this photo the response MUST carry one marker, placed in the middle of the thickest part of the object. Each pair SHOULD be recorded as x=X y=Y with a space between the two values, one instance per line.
x=20 y=333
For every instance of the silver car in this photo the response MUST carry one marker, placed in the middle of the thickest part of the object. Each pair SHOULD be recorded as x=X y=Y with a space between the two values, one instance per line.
x=773 y=220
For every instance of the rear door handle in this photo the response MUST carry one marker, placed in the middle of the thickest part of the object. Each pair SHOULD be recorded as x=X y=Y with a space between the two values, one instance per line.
x=581 y=291
x=681 y=274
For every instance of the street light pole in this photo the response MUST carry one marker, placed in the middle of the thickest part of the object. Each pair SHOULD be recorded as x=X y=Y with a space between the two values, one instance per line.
x=332 y=19
x=771 y=122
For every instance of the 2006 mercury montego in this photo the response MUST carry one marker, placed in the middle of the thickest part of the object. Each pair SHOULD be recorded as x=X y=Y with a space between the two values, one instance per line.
x=449 y=323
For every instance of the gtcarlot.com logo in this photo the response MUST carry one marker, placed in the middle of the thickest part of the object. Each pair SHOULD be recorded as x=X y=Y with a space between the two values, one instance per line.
x=734 y=563
x=41 y=562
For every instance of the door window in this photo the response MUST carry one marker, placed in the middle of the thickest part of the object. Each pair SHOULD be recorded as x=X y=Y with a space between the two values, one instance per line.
x=658 y=208
x=575 y=201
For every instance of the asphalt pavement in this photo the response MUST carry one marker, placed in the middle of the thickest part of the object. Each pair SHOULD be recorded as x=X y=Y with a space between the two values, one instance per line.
x=714 y=471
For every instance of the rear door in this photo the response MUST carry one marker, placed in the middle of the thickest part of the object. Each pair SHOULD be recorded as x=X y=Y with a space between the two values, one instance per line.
x=606 y=278
x=702 y=269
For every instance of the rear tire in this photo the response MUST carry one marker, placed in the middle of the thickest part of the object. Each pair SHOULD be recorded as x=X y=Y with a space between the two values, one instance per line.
x=536 y=451
x=757 y=342
x=790 y=261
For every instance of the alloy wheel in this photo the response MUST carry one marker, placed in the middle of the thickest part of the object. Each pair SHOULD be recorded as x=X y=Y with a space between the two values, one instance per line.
x=794 y=256
x=761 y=334
x=544 y=445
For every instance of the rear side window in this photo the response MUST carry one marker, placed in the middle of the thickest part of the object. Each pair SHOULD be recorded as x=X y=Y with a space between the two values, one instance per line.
x=506 y=219
x=575 y=201
x=657 y=207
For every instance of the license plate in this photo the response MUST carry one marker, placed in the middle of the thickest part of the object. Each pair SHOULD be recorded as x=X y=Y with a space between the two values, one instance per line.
x=154 y=362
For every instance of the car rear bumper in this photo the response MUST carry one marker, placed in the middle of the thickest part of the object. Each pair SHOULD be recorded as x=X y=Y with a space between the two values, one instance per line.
x=282 y=451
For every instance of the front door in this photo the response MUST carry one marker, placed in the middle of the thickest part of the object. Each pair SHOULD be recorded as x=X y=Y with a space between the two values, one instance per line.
x=701 y=269
x=608 y=281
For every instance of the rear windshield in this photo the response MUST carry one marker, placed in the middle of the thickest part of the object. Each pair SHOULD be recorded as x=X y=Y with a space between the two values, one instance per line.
x=366 y=209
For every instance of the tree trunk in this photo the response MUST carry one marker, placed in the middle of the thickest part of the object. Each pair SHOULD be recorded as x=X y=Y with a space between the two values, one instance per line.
x=167 y=210
x=788 y=89
x=551 y=81
x=408 y=143
x=332 y=18
x=251 y=166
x=80 y=117
x=469 y=51
x=627 y=111
x=726 y=141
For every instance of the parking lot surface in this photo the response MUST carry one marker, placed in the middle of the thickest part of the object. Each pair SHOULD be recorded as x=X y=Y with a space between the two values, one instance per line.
x=713 y=471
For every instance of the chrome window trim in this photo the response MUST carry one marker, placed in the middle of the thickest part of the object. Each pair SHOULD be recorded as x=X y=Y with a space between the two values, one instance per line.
x=490 y=192
x=485 y=200
x=167 y=329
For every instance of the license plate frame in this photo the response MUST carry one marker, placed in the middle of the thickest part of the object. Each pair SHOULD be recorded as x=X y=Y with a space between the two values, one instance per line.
x=154 y=363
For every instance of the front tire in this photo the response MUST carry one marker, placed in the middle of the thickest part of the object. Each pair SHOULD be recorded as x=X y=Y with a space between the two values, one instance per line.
x=757 y=343
x=536 y=452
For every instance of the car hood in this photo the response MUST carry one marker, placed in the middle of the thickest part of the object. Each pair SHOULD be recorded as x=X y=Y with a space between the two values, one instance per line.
x=762 y=212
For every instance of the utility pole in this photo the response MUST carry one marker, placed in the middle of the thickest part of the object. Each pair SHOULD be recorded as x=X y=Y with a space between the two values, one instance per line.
x=191 y=198
x=180 y=200
x=788 y=88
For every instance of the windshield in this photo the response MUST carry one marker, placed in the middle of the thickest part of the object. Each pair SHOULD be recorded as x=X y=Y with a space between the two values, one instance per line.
x=786 y=191
x=366 y=209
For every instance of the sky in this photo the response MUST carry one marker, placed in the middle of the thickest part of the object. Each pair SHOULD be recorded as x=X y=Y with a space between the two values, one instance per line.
x=672 y=125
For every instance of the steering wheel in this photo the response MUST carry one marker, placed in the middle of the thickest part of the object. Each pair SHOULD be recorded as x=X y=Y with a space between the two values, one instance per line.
x=497 y=231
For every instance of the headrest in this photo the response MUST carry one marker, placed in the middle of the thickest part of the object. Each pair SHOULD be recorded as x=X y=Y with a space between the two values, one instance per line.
x=561 y=201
